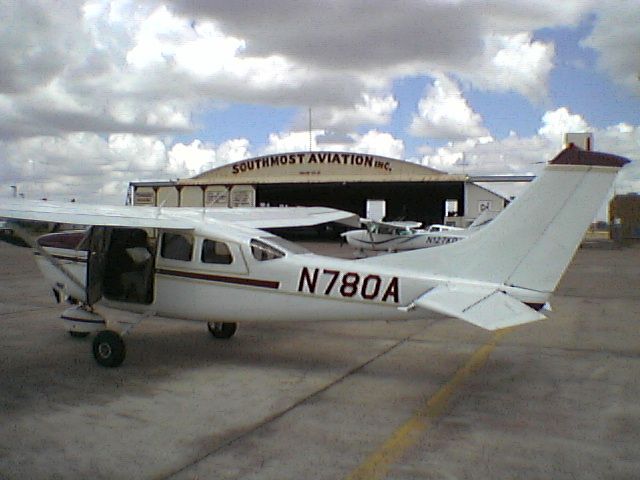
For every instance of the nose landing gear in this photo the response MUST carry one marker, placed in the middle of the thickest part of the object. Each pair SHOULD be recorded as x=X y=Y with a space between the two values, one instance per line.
x=108 y=345
x=109 y=348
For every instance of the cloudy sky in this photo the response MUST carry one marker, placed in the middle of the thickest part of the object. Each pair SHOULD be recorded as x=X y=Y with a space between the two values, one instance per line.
x=94 y=94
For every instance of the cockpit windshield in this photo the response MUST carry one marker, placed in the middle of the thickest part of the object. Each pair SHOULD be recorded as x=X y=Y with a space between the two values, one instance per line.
x=273 y=247
x=263 y=252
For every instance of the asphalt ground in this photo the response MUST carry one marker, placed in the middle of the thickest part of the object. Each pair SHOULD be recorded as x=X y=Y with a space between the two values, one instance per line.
x=427 y=399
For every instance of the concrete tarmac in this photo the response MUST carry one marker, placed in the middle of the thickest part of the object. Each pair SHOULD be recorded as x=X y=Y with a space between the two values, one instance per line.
x=427 y=399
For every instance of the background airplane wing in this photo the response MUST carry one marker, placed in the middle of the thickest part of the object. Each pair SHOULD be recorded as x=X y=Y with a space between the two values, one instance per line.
x=484 y=218
x=281 y=217
x=182 y=218
x=398 y=224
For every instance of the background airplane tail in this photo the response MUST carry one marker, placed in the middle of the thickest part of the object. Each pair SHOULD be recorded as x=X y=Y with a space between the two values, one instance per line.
x=482 y=220
x=530 y=244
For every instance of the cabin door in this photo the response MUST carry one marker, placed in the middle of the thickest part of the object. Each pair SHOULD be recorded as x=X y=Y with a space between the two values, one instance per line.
x=130 y=266
x=99 y=240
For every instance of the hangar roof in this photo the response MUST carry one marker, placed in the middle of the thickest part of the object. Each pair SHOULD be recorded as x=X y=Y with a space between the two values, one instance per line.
x=321 y=167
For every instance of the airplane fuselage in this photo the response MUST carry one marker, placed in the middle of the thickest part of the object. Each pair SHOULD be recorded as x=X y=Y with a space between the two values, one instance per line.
x=280 y=285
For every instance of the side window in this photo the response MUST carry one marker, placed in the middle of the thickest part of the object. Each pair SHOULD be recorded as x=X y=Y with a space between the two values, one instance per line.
x=215 y=252
x=176 y=246
x=262 y=251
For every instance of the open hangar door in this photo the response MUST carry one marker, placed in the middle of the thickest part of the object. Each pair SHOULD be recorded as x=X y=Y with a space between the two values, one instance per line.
x=420 y=201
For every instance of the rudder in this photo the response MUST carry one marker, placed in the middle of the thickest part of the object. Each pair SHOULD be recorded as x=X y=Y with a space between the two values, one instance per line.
x=530 y=244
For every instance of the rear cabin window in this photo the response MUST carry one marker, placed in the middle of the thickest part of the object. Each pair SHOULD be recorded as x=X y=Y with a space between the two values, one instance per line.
x=262 y=251
x=215 y=252
x=176 y=246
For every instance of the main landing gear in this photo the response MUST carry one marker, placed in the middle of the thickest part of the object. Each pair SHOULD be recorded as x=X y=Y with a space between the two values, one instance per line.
x=109 y=348
x=222 y=329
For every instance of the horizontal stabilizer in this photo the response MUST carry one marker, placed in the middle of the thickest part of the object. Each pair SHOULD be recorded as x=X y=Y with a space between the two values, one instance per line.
x=487 y=308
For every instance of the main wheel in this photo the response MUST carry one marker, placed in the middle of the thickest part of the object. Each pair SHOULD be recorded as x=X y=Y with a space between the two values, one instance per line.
x=109 y=349
x=222 y=329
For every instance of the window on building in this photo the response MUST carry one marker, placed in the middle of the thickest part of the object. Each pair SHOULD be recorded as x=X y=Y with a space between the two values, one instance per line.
x=451 y=208
x=176 y=246
x=215 y=252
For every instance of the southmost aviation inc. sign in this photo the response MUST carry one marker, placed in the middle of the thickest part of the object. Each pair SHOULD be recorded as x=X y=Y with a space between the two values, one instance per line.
x=311 y=159
x=316 y=167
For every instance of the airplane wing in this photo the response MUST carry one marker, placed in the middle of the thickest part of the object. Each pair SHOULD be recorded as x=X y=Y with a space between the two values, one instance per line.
x=86 y=214
x=181 y=218
x=487 y=308
x=399 y=224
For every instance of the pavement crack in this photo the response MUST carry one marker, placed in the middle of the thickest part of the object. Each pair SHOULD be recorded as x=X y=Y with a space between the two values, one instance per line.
x=277 y=415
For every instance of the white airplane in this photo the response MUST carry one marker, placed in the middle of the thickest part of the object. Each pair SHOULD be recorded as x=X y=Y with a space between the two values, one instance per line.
x=214 y=266
x=396 y=236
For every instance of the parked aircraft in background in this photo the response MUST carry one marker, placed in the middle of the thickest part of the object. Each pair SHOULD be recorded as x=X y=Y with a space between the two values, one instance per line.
x=219 y=267
x=395 y=236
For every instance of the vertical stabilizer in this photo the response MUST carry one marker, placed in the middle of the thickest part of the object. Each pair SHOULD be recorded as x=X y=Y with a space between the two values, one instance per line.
x=530 y=244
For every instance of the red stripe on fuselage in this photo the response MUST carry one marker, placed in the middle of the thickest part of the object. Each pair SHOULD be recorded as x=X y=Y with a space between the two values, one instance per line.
x=252 y=282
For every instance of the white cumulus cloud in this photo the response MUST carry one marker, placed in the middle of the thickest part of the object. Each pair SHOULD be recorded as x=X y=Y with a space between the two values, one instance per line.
x=526 y=155
x=189 y=160
x=374 y=142
x=616 y=38
x=558 y=122
x=514 y=63
x=443 y=113
x=369 y=110
x=91 y=92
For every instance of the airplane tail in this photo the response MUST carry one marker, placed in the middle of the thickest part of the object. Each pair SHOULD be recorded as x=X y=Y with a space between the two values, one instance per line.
x=531 y=243
x=483 y=219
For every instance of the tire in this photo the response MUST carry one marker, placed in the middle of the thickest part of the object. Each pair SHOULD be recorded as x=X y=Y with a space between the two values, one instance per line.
x=109 y=349
x=75 y=334
x=222 y=329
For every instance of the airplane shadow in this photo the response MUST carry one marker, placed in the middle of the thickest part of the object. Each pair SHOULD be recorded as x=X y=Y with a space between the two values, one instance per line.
x=65 y=373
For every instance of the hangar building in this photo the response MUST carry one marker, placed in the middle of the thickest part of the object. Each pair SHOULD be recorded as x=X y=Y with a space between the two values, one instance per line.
x=369 y=185
x=624 y=217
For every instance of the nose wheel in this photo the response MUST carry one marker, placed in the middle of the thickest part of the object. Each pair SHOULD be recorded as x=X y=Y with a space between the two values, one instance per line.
x=109 y=348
